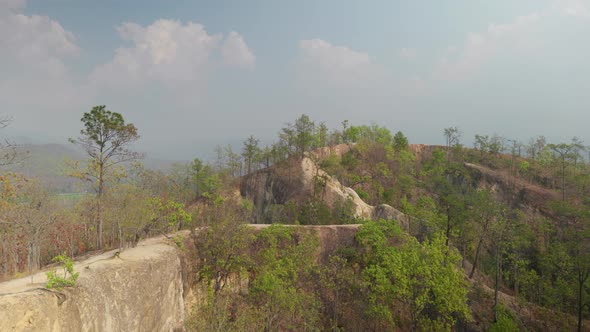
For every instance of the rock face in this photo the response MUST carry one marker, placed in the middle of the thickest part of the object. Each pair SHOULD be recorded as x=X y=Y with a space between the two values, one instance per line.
x=303 y=178
x=140 y=291
x=271 y=186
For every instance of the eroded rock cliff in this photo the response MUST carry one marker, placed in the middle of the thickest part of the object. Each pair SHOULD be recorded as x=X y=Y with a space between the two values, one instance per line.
x=303 y=178
x=142 y=290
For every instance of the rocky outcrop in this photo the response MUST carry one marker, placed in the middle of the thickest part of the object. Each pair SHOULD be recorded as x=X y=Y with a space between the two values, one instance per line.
x=272 y=186
x=142 y=290
x=334 y=150
x=303 y=178
x=423 y=151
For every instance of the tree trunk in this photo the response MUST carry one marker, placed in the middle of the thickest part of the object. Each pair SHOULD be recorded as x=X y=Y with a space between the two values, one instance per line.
x=563 y=179
x=477 y=250
x=99 y=206
x=580 y=305
x=582 y=277
x=448 y=226
x=496 y=285
x=33 y=256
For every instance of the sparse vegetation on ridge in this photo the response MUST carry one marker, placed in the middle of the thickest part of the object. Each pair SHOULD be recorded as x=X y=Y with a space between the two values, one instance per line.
x=510 y=218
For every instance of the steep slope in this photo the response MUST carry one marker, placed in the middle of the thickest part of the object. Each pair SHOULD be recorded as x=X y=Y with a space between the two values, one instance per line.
x=142 y=290
x=527 y=193
x=303 y=178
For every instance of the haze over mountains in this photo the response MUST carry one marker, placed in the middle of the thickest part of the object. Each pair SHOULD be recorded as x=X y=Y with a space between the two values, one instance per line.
x=48 y=163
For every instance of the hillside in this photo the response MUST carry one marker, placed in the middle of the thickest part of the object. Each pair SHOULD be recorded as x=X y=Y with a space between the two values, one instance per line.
x=303 y=184
x=440 y=237
x=47 y=162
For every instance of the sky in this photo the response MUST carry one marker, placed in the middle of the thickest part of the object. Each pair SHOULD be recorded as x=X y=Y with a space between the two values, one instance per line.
x=195 y=74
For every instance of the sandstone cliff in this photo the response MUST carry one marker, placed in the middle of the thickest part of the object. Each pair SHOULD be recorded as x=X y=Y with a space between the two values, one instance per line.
x=140 y=291
x=303 y=178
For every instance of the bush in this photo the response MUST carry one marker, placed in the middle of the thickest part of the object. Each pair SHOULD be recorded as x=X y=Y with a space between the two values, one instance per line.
x=69 y=276
x=505 y=322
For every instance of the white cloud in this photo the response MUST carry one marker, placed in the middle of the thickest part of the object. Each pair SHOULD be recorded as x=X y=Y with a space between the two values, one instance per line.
x=480 y=47
x=407 y=53
x=335 y=58
x=576 y=8
x=35 y=79
x=235 y=52
x=169 y=66
x=498 y=30
x=35 y=41
x=181 y=56
x=166 y=51
x=323 y=65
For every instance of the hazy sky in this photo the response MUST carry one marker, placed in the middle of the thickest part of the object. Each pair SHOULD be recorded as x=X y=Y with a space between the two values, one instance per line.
x=193 y=74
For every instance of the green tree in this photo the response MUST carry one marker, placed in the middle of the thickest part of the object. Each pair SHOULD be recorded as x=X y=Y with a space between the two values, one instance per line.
x=496 y=144
x=345 y=138
x=105 y=138
x=222 y=247
x=205 y=181
x=562 y=153
x=578 y=246
x=422 y=277
x=400 y=141
x=535 y=146
x=266 y=156
x=482 y=143
x=452 y=136
x=285 y=266
x=451 y=189
x=501 y=235
x=129 y=209
x=371 y=134
x=233 y=161
x=251 y=153
x=322 y=133
x=483 y=211
x=300 y=136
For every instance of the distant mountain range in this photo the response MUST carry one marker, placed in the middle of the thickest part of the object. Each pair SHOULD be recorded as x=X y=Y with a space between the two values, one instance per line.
x=47 y=162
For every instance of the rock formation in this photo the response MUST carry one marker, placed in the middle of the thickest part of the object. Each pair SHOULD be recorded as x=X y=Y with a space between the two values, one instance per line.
x=140 y=291
x=302 y=178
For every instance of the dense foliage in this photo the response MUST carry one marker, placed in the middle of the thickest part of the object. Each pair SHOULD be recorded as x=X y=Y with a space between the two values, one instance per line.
x=274 y=279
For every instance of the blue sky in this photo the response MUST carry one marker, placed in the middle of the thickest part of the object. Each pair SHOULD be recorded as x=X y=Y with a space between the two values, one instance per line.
x=193 y=74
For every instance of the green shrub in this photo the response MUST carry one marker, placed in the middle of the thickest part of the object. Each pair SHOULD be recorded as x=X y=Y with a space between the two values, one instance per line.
x=179 y=241
x=505 y=322
x=69 y=276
